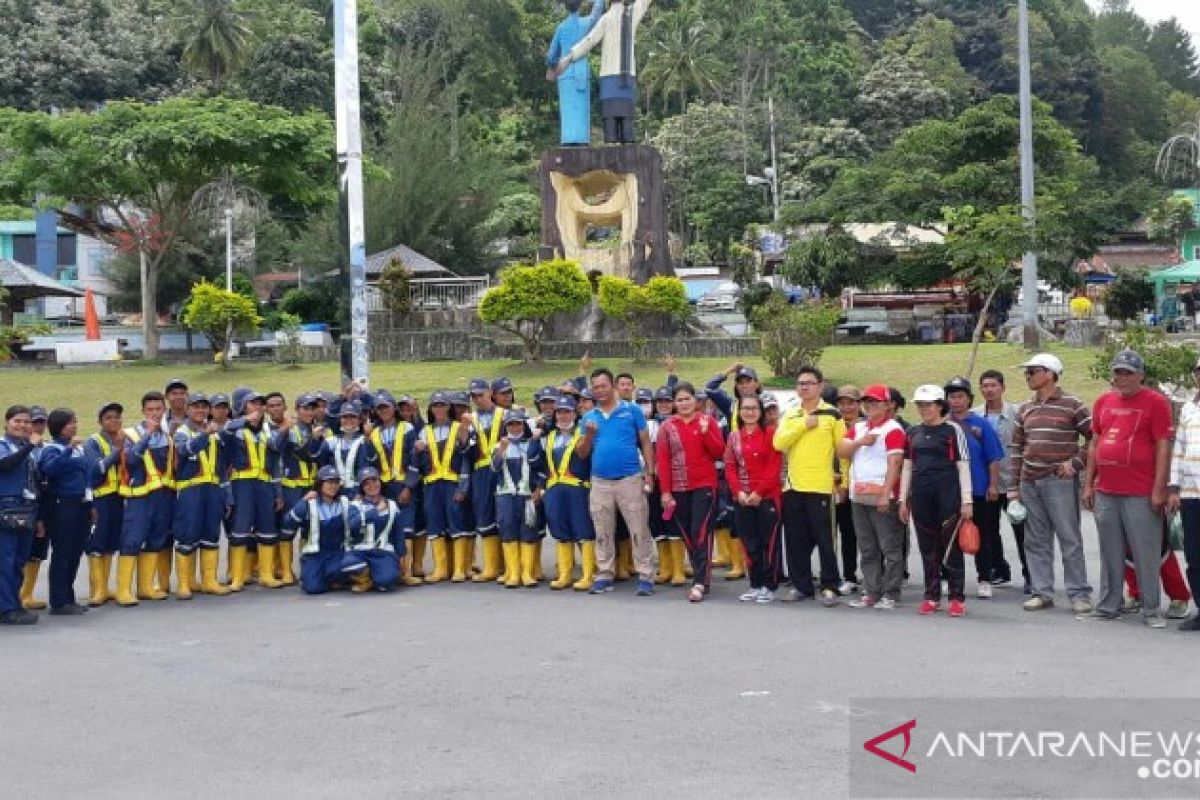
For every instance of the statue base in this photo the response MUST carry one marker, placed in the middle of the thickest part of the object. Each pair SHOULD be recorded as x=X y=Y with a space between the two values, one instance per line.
x=589 y=189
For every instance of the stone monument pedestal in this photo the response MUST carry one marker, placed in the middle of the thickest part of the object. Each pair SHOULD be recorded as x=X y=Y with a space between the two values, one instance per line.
x=1082 y=332
x=619 y=187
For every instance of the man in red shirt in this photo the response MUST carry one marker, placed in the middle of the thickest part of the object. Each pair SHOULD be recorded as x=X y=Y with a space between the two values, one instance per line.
x=1126 y=484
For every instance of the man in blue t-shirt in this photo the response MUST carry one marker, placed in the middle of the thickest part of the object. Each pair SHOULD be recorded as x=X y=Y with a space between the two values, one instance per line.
x=618 y=442
x=987 y=454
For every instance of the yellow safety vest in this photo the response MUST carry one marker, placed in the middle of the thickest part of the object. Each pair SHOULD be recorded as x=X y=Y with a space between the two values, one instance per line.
x=442 y=470
x=562 y=472
x=256 y=452
x=391 y=469
x=308 y=470
x=208 y=464
x=488 y=439
x=155 y=479
x=112 y=481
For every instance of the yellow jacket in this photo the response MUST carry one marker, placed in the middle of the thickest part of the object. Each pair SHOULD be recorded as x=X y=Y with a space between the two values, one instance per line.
x=810 y=453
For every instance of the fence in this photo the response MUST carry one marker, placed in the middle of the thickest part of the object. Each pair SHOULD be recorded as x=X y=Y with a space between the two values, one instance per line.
x=436 y=294
x=445 y=346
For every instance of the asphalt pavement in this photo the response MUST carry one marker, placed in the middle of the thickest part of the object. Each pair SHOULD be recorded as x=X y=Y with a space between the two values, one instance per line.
x=461 y=690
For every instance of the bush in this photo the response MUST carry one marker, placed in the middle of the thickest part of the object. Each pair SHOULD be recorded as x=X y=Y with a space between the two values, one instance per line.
x=288 y=351
x=395 y=286
x=313 y=302
x=1167 y=364
x=1128 y=296
x=792 y=336
x=529 y=295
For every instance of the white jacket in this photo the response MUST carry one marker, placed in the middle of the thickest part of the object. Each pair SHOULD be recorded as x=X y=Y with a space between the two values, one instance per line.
x=608 y=31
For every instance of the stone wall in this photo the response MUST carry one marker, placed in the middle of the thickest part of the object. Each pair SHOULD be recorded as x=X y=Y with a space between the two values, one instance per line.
x=461 y=346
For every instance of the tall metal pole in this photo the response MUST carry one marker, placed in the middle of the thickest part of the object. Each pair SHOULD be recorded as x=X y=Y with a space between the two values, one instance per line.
x=350 y=179
x=1029 y=264
x=774 y=162
x=229 y=249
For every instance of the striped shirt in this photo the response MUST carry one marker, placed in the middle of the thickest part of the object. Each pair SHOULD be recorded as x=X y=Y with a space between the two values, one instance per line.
x=1185 y=460
x=1047 y=435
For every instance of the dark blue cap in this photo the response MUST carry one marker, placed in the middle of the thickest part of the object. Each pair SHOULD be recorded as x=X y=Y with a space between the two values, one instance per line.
x=565 y=403
x=644 y=396
x=501 y=385
x=328 y=473
x=479 y=386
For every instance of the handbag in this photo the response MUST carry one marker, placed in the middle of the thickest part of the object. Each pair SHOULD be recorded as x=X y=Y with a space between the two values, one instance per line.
x=968 y=537
x=19 y=520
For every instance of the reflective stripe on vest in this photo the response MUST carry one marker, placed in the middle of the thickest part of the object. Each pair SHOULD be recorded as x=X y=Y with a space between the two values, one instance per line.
x=382 y=540
x=561 y=473
x=112 y=480
x=313 y=543
x=256 y=454
x=208 y=464
x=441 y=463
x=506 y=486
x=488 y=439
x=391 y=469
x=155 y=479
x=345 y=467
x=308 y=471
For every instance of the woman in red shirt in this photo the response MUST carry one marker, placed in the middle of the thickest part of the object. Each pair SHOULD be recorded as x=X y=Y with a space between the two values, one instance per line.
x=689 y=446
x=753 y=470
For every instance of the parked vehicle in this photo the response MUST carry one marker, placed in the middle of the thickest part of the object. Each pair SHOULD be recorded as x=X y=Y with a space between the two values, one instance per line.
x=724 y=297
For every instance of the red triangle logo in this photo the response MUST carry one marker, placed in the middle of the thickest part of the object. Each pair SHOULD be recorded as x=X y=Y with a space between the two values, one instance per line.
x=905 y=730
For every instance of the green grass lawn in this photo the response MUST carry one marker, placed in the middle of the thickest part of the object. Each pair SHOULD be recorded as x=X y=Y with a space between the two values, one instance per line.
x=904 y=366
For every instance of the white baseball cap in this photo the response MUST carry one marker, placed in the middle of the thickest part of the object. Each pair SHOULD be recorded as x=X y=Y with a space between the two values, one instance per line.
x=1046 y=361
x=928 y=393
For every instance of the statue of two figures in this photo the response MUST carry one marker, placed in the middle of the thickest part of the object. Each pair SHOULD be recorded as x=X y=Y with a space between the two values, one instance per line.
x=614 y=28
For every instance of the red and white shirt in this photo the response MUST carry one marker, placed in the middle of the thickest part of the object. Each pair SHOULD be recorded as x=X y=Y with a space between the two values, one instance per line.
x=868 y=467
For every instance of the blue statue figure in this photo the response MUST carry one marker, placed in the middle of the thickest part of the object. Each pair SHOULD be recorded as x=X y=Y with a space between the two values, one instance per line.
x=574 y=83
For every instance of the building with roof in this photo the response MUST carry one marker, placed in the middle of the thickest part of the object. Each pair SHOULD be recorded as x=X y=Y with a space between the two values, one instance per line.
x=24 y=284
x=65 y=256
x=1190 y=246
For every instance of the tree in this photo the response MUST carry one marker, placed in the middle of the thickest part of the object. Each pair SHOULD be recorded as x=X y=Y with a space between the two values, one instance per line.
x=1171 y=219
x=830 y=260
x=815 y=157
x=395 y=284
x=894 y=96
x=290 y=71
x=662 y=299
x=220 y=315
x=215 y=36
x=1135 y=105
x=680 y=56
x=792 y=336
x=528 y=296
x=135 y=169
x=1129 y=295
x=930 y=44
x=320 y=301
x=1173 y=53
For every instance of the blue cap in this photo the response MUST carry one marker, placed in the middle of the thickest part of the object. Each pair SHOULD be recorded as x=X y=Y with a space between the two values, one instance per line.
x=384 y=398
x=368 y=473
x=501 y=385
x=644 y=396
x=219 y=399
x=107 y=407
x=197 y=399
x=175 y=383
x=564 y=403
x=479 y=386
x=663 y=393
x=515 y=415
x=350 y=409
x=439 y=398
x=329 y=397
x=586 y=394
x=303 y=401
x=546 y=393
x=328 y=473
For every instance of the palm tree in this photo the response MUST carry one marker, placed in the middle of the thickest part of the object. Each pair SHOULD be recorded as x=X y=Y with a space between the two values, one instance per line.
x=1180 y=155
x=680 y=60
x=215 y=35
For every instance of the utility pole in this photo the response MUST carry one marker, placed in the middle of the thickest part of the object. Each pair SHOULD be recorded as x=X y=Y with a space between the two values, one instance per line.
x=355 y=364
x=1029 y=263
x=774 y=162
x=229 y=249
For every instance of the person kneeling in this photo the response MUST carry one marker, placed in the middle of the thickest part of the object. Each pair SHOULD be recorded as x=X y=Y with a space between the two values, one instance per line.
x=330 y=523
x=380 y=539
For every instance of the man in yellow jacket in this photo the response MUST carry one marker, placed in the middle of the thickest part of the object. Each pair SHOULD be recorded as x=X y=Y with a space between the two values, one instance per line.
x=808 y=436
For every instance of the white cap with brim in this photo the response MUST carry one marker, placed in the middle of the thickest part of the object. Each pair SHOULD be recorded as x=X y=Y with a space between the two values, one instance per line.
x=928 y=394
x=1045 y=361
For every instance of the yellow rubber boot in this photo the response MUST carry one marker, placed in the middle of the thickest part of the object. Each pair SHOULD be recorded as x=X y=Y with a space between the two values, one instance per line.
x=406 y=567
x=185 y=568
x=361 y=582
x=491 y=560
x=512 y=564
x=462 y=556
x=162 y=570
x=588 y=565
x=737 y=555
x=469 y=569
x=529 y=552
x=664 y=561
x=678 y=559
x=287 y=572
x=251 y=564
x=441 y=560
x=418 y=557
x=197 y=577
x=565 y=555
x=537 y=560
x=125 y=567
x=147 y=569
x=237 y=568
x=30 y=573
x=208 y=573
x=624 y=559
x=266 y=566
x=97 y=582
x=721 y=556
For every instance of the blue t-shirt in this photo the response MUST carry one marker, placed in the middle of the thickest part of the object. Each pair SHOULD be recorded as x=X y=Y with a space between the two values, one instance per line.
x=985 y=448
x=615 y=449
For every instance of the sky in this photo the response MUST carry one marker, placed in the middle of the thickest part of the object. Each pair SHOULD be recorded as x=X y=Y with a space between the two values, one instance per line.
x=1186 y=11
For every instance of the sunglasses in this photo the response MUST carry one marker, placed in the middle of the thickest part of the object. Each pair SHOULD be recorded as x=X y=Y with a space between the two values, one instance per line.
x=1034 y=371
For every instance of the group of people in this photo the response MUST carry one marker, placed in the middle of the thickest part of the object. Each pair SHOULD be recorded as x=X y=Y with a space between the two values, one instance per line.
x=657 y=486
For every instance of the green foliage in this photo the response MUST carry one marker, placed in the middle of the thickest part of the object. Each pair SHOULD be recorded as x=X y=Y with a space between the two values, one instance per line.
x=528 y=296
x=288 y=351
x=830 y=260
x=1172 y=218
x=1129 y=295
x=743 y=265
x=1166 y=362
x=314 y=302
x=220 y=315
x=895 y=95
x=754 y=296
x=216 y=37
x=10 y=211
x=395 y=285
x=792 y=336
x=16 y=335
x=662 y=299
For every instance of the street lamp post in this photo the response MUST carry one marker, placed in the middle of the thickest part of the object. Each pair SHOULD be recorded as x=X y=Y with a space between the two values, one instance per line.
x=1029 y=263
x=229 y=249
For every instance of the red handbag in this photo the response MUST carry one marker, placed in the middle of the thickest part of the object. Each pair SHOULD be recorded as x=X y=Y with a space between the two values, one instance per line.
x=968 y=537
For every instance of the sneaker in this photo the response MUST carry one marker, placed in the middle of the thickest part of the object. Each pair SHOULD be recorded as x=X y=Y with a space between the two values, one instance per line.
x=829 y=598
x=1178 y=609
x=695 y=594
x=1037 y=603
x=645 y=588
x=847 y=588
x=1154 y=621
x=1081 y=606
x=957 y=608
x=1192 y=624
x=928 y=607
x=1132 y=605
x=1103 y=616
x=767 y=596
x=885 y=604
x=1003 y=580
x=69 y=610
x=18 y=617
x=792 y=595
x=751 y=595
x=864 y=601
x=601 y=586
x=985 y=590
